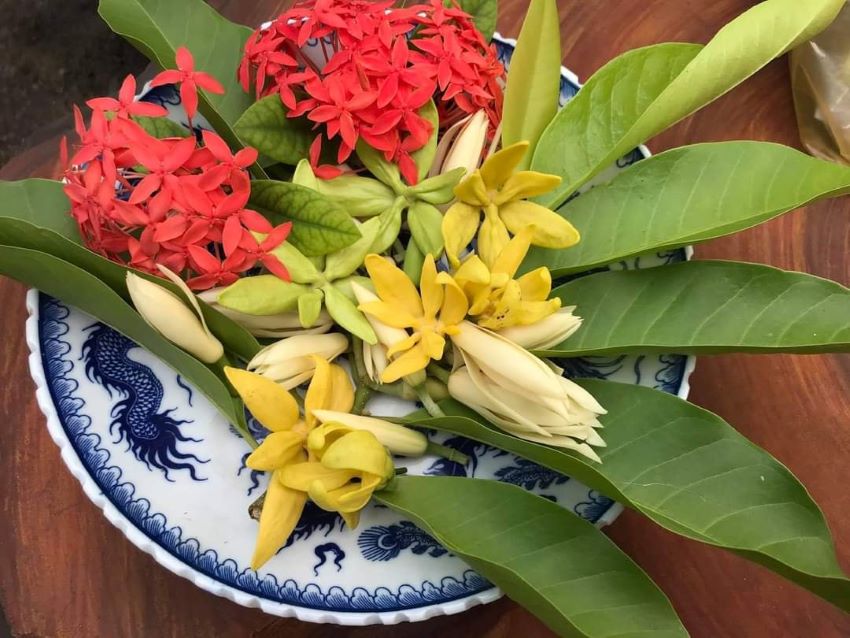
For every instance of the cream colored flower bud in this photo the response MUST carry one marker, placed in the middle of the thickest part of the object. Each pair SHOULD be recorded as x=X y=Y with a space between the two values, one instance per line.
x=284 y=324
x=290 y=361
x=398 y=439
x=522 y=395
x=461 y=145
x=548 y=332
x=388 y=336
x=375 y=360
x=173 y=319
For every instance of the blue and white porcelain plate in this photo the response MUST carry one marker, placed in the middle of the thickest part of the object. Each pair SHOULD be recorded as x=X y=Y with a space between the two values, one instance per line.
x=168 y=471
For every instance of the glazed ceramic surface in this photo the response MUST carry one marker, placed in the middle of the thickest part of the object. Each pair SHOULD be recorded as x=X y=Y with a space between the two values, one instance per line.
x=168 y=471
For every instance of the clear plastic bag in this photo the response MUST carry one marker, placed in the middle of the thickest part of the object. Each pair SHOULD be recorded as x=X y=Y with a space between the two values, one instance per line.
x=820 y=79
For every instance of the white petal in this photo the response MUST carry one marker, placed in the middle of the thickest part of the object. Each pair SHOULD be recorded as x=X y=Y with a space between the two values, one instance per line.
x=387 y=335
x=546 y=333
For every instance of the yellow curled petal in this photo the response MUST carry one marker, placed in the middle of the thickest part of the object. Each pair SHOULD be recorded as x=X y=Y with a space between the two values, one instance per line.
x=472 y=190
x=460 y=223
x=500 y=166
x=492 y=238
x=536 y=285
x=404 y=345
x=455 y=303
x=342 y=397
x=319 y=392
x=388 y=314
x=481 y=301
x=358 y=498
x=472 y=271
x=270 y=404
x=525 y=184
x=513 y=253
x=352 y=519
x=432 y=292
x=433 y=345
x=276 y=450
x=550 y=229
x=299 y=476
x=281 y=510
x=392 y=285
x=323 y=436
x=411 y=361
x=504 y=308
x=358 y=450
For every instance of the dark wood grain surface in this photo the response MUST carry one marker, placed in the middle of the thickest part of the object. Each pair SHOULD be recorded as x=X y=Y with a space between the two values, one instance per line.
x=65 y=571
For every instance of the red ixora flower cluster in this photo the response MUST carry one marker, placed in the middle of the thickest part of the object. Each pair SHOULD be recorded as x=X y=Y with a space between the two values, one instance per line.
x=143 y=201
x=363 y=70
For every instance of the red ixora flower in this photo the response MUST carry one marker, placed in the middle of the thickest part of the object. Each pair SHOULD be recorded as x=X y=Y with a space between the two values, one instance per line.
x=189 y=80
x=143 y=201
x=372 y=69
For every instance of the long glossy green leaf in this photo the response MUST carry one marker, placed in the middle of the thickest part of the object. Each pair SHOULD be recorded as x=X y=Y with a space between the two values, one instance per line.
x=320 y=225
x=687 y=195
x=692 y=473
x=483 y=12
x=644 y=91
x=34 y=215
x=534 y=78
x=158 y=28
x=82 y=290
x=266 y=127
x=706 y=307
x=555 y=564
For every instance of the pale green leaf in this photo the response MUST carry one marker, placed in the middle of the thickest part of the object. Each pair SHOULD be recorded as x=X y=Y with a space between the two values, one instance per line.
x=376 y=163
x=706 y=307
x=34 y=214
x=414 y=259
x=309 y=307
x=692 y=473
x=425 y=223
x=265 y=126
x=688 y=195
x=534 y=78
x=556 y=565
x=642 y=92
x=85 y=291
x=158 y=28
x=377 y=235
x=319 y=227
x=346 y=315
x=262 y=295
x=424 y=157
x=301 y=268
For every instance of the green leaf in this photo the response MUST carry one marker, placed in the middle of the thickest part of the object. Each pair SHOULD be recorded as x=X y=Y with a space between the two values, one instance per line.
x=158 y=28
x=82 y=290
x=556 y=565
x=692 y=473
x=320 y=225
x=424 y=157
x=377 y=234
x=414 y=259
x=644 y=91
x=706 y=307
x=425 y=223
x=438 y=189
x=262 y=295
x=386 y=172
x=265 y=126
x=534 y=78
x=483 y=12
x=161 y=127
x=343 y=311
x=309 y=307
x=301 y=269
x=41 y=202
x=34 y=214
x=687 y=195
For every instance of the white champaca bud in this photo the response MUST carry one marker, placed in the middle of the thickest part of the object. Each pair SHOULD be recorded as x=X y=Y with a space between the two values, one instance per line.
x=173 y=319
x=388 y=336
x=290 y=361
x=465 y=151
x=546 y=333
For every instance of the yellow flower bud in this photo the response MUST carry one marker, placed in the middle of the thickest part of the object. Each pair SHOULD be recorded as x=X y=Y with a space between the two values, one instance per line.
x=173 y=319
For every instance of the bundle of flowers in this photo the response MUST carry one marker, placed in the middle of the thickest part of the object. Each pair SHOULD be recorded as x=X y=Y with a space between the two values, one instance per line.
x=362 y=201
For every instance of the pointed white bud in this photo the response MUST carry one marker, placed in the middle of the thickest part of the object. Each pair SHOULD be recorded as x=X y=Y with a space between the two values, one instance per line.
x=463 y=144
x=290 y=361
x=388 y=336
x=173 y=319
x=546 y=333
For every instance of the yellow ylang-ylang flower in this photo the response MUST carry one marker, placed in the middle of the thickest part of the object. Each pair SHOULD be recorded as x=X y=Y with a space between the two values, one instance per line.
x=522 y=394
x=496 y=299
x=498 y=192
x=348 y=466
x=277 y=411
x=425 y=318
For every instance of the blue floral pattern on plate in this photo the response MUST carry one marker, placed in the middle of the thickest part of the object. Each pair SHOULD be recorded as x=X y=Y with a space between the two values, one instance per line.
x=169 y=472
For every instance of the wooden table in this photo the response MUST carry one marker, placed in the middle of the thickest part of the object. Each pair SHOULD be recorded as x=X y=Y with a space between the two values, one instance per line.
x=68 y=572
